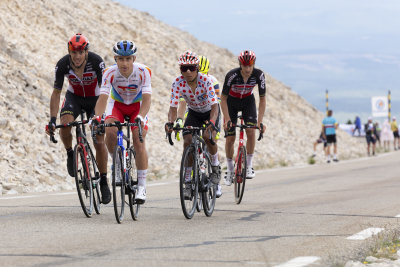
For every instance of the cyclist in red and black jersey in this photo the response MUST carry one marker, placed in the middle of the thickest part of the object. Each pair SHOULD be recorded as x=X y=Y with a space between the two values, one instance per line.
x=237 y=95
x=83 y=69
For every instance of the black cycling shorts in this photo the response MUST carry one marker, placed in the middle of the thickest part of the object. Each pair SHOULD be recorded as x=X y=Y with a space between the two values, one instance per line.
x=248 y=108
x=197 y=119
x=73 y=105
x=331 y=139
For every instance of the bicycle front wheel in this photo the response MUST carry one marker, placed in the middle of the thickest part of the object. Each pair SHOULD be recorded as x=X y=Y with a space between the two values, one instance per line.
x=209 y=189
x=131 y=169
x=95 y=179
x=82 y=180
x=188 y=182
x=240 y=175
x=118 y=184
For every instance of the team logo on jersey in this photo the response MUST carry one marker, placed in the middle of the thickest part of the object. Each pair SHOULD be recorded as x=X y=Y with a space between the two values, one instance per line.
x=129 y=88
x=211 y=94
x=202 y=97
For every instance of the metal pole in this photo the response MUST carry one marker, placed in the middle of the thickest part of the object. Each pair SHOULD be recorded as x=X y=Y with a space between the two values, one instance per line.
x=389 y=106
x=326 y=102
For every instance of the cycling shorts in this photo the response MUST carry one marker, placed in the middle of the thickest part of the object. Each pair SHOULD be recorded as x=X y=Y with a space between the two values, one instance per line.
x=331 y=139
x=74 y=105
x=249 y=111
x=396 y=134
x=370 y=139
x=197 y=119
x=118 y=111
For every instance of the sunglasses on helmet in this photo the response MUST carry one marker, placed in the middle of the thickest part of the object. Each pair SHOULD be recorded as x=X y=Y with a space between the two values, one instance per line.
x=185 y=68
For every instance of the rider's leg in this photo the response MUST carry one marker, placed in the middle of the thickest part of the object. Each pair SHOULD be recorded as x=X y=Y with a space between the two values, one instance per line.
x=66 y=138
x=101 y=154
x=111 y=137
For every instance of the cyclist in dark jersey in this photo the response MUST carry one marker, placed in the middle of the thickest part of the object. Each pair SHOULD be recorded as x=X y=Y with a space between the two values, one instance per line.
x=237 y=95
x=83 y=69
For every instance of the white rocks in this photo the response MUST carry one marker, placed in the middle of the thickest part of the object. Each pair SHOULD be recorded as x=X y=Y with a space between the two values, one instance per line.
x=26 y=81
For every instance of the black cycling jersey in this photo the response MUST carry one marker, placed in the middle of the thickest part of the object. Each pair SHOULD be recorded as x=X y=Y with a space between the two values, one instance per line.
x=92 y=75
x=235 y=86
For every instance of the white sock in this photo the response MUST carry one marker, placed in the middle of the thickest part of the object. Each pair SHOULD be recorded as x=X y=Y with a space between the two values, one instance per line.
x=328 y=157
x=141 y=174
x=214 y=159
x=250 y=160
x=188 y=172
x=230 y=164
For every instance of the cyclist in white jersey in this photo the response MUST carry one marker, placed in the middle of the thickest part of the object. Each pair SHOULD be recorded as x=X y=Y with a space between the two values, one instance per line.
x=127 y=88
x=198 y=91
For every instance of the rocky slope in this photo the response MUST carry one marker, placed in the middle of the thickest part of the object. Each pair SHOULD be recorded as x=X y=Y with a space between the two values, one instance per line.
x=33 y=36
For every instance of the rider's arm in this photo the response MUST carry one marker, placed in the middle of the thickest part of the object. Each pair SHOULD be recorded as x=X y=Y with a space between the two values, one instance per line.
x=261 y=109
x=55 y=102
x=172 y=114
x=214 y=113
x=181 y=108
x=224 y=108
x=145 y=106
x=101 y=105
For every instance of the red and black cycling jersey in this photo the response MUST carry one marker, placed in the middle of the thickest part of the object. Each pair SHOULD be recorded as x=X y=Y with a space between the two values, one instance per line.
x=92 y=75
x=235 y=86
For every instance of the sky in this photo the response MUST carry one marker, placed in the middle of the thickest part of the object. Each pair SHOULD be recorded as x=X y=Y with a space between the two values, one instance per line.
x=349 y=47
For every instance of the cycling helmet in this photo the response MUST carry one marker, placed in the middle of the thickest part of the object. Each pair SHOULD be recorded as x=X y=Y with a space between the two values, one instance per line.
x=247 y=57
x=204 y=64
x=125 y=48
x=188 y=58
x=78 y=42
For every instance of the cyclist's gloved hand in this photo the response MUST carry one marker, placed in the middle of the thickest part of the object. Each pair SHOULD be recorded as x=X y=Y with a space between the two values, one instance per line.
x=139 y=118
x=212 y=124
x=168 y=127
x=50 y=128
x=178 y=123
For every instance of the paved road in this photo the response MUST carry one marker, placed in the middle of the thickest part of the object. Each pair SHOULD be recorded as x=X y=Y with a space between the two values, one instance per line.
x=287 y=213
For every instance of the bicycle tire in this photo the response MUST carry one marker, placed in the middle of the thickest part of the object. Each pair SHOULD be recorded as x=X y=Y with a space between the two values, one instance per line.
x=240 y=175
x=134 y=207
x=209 y=192
x=189 y=205
x=118 y=184
x=82 y=180
x=199 y=204
x=94 y=173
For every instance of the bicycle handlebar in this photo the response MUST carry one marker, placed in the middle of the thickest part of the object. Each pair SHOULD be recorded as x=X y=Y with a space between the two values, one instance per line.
x=71 y=124
x=119 y=125
x=247 y=127
x=188 y=128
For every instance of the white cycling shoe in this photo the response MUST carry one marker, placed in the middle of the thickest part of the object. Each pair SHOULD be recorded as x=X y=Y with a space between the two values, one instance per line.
x=250 y=173
x=141 y=195
x=219 y=191
x=229 y=177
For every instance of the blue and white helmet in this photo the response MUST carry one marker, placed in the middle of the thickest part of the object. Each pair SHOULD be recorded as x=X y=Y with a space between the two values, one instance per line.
x=125 y=48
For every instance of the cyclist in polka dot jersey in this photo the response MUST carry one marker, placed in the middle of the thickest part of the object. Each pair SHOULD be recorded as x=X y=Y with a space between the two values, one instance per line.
x=198 y=91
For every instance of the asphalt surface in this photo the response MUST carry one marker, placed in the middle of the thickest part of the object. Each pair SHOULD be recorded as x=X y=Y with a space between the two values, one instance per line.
x=308 y=212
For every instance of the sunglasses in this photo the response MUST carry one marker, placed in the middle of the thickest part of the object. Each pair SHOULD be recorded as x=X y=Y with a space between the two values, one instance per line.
x=185 y=68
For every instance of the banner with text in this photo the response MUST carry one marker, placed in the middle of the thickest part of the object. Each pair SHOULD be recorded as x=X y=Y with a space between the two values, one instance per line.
x=379 y=106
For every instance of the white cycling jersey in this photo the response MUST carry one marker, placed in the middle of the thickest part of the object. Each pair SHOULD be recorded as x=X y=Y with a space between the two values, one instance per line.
x=201 y=99
x=126 y=90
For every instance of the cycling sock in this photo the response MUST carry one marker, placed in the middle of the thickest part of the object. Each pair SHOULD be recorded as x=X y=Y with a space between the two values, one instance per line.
x=188 y=173
x=214 y=159
x=230 y=164
x=328 y=157
x=141 y=174
x=250 y=160
x=334 y=156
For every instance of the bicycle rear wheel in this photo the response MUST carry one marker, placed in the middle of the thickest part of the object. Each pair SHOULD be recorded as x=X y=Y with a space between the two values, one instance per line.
x=118 y=184
x=199 y=204
x=131 y=168
x=95 y=176
x=82 y=180
x=209 y=189
x=189 y=168
x=240 y=175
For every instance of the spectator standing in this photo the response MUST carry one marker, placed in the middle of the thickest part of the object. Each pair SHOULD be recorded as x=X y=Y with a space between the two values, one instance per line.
x=370 y=135
x=395 y=130
x=386 y=135
x=329 y=126
x=357 y=123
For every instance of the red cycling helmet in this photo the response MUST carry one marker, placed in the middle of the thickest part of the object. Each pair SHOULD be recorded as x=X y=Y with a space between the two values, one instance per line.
x=78 y=42
x=247 y=57
x=188 y=58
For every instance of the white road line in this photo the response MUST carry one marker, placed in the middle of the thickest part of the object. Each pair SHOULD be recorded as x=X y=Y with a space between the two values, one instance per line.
x=397 y=216
x=364 y=234
x=299 y=261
